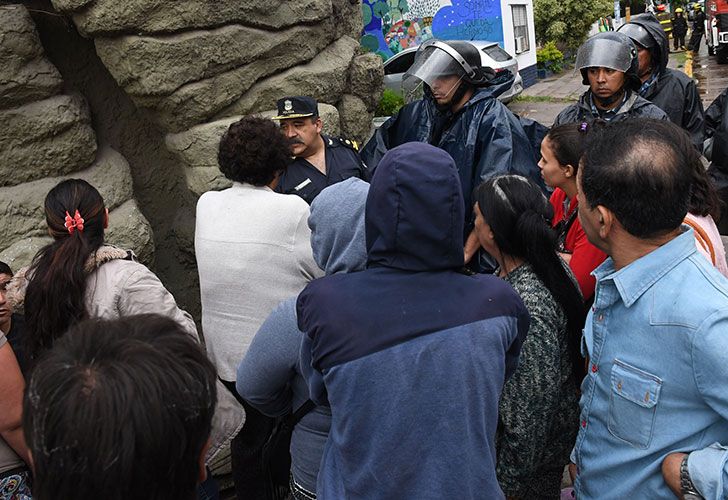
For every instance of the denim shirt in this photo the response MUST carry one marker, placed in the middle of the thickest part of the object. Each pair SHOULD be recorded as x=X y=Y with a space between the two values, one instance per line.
x=657 y=337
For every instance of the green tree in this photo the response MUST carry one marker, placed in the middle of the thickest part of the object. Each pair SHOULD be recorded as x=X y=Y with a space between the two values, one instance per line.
x=568 y=21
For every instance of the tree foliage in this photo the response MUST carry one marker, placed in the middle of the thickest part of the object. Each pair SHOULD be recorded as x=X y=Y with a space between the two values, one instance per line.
x=568 y=21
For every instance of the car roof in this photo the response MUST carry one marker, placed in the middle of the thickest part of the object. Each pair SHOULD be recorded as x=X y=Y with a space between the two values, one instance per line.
x=478 y=44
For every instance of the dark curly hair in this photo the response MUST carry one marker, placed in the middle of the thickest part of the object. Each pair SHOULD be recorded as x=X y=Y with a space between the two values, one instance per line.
x=253 y=151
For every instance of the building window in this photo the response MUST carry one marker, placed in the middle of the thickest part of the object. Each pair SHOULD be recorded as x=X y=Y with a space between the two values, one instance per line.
x=520 y=28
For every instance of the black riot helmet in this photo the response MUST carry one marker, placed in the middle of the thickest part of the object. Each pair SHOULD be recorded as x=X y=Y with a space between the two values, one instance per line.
x=437 y=58
x=645 y=30
x=610 y=49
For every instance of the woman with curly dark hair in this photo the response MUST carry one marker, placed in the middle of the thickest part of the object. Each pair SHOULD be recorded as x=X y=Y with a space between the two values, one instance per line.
x=253 y=251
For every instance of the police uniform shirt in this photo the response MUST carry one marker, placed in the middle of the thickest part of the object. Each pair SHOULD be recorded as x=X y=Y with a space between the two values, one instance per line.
x=305 y=180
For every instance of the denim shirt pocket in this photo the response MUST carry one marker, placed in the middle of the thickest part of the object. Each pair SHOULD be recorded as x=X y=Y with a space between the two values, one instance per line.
x=633 y=404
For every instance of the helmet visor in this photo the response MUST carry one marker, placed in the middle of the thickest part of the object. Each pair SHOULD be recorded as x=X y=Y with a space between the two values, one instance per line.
x=638 y=35
x=430 y=64
x=605 y=53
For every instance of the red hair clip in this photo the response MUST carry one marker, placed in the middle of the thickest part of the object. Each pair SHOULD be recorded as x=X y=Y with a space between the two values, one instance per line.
x=73 y=223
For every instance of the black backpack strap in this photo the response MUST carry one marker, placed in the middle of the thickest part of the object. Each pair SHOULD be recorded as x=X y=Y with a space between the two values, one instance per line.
x=301 y=412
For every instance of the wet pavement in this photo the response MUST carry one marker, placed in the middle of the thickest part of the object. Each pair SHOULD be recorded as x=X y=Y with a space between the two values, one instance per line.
x=712 y=77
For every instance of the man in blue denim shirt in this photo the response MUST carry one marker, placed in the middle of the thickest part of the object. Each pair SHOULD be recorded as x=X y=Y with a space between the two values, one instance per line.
x=654 y=405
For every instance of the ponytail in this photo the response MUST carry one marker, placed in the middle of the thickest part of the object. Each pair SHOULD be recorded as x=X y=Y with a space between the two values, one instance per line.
x=520 y=218
x=54 y=300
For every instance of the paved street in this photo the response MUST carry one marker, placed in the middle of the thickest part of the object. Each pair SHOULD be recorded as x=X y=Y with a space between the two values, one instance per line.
x=544 y=100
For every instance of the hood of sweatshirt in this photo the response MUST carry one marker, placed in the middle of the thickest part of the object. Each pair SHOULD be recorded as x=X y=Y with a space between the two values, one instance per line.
x=415 y=210
x=337 y=227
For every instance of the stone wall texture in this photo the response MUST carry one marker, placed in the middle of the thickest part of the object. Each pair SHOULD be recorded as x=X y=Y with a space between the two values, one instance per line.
x=133 y=96
x=47 y=136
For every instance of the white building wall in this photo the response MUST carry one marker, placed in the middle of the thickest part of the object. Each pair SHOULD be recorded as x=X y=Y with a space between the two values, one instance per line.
x=526 y=60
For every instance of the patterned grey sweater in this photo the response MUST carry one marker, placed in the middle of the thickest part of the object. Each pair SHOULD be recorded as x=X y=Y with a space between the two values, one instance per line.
x=538 y=413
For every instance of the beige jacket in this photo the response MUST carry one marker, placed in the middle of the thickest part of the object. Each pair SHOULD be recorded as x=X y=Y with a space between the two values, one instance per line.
x=119 y=286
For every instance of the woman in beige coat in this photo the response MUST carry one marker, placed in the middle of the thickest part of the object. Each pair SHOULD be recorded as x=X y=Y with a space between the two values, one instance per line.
x=77 y=276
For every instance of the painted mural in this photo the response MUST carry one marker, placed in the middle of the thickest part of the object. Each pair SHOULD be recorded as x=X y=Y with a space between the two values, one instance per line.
x=393 y=25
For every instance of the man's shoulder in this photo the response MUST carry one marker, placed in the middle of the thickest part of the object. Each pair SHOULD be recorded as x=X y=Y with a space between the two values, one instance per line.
x=341 y=142
x=674 y=75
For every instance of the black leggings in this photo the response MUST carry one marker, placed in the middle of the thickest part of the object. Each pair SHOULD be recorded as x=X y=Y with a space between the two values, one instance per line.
x=246 y=449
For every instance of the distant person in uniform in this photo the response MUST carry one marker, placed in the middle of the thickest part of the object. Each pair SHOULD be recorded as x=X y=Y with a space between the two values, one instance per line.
x=679 y=29
x=698 y=29
x=669 y=89
x=320 y=160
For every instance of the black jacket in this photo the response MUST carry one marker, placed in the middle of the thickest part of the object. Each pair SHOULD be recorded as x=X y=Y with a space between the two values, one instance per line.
x=673 y=91
x=484 y=138
x=679 y=26
x=699 y=22
x=635 y=107
x=717 y=127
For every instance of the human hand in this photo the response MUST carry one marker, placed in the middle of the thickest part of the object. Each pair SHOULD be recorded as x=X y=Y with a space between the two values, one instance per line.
x=471 y=246
x=671 y=472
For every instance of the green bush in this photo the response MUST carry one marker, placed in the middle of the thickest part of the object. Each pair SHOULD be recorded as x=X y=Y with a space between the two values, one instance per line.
x=389 y=104
x=550 y=57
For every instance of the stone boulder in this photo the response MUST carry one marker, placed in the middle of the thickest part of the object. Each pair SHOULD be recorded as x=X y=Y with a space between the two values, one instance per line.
x=25 y=74
x=20 y=254
x=129 y=229
x=45 y=138
x=352 y=110
x=324 y=78
x=196 y=148
x=104 y=17
x=21 y=206
x=159 y=65
x=366 y=79
x=348 y=18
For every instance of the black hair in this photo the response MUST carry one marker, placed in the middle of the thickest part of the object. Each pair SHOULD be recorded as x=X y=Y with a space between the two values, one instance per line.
x=5 y=269
x=54 y=299
x=118 y=410
x=520 y=217
x=704 y=199
x=638 y=169
x=253 y=151
x=568 y=142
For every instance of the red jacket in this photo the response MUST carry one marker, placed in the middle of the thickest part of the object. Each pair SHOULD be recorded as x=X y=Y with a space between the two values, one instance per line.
x=585 y=257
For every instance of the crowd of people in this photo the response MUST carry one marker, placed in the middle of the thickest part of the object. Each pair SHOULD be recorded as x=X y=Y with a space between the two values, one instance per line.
x=467 y=308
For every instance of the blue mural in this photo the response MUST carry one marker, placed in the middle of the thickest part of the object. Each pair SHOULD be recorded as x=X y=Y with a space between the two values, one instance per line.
x=393 y=25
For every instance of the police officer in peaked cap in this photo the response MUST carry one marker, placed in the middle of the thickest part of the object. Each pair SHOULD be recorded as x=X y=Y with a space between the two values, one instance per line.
x=320 y=160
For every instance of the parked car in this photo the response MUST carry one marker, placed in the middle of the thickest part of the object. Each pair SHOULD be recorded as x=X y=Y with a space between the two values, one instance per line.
x=491 y=54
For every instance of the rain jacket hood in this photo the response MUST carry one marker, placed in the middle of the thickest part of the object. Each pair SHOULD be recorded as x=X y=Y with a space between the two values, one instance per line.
x=414 y=211
x=650 y=23
x=337 y=227
x=673 y=91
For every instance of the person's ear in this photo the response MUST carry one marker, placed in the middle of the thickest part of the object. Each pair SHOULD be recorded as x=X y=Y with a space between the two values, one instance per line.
x=202 y=474
x=319 y=125
x=606 y=221
x=106 y=218
x=569 y=171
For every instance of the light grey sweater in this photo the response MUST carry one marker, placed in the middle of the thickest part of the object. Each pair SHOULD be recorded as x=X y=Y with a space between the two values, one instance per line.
x=253 y=251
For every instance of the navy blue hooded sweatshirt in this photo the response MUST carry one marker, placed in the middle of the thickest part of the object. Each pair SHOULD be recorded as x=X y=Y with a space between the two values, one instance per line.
x=410 y=355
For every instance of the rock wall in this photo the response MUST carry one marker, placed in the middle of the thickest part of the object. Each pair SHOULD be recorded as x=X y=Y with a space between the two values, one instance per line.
x=147 y=89
x=47 y=136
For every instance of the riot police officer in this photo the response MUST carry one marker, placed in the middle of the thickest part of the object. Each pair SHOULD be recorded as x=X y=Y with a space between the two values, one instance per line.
x=671 y=90
x=608 y=64
x=461 y=114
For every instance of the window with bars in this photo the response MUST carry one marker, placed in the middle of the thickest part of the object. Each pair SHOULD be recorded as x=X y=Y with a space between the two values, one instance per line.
x=520 y=28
